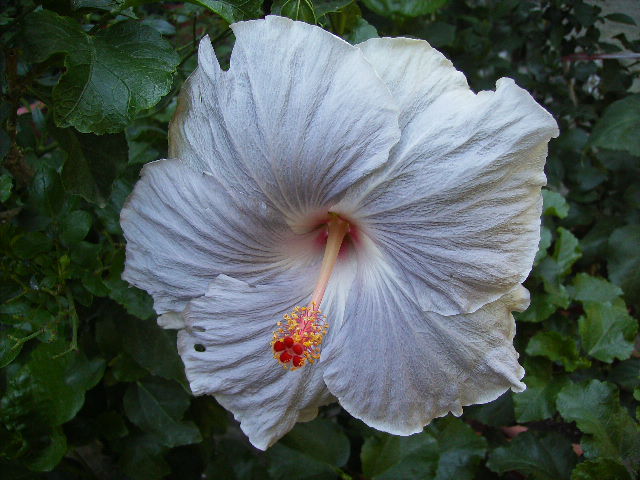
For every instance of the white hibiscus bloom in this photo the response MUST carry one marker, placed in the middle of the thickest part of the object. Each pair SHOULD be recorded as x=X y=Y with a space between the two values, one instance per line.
x=367 y=181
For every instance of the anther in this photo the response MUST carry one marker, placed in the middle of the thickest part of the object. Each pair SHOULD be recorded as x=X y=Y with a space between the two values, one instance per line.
x=285 y=357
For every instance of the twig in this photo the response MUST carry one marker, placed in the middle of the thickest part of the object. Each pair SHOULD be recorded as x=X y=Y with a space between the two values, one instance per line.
x=73 y=314
x=574 y=57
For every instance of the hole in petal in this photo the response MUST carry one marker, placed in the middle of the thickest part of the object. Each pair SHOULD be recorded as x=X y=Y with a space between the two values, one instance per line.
x=199 y=347
x=198 y=329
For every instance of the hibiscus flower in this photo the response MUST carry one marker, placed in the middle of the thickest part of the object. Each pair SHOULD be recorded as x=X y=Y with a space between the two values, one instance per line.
x=341 y=222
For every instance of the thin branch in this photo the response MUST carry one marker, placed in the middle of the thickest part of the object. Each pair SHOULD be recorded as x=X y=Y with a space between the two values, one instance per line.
x=574 y=57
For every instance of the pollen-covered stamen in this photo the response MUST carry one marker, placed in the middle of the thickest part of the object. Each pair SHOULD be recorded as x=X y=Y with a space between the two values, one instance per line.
x=298 y=339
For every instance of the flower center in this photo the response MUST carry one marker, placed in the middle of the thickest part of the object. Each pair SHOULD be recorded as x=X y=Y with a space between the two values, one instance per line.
x=298 y=339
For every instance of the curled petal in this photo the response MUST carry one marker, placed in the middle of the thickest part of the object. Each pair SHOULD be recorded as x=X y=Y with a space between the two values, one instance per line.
x=183 y=228
x=298 y=118
x=458 y=210
x=397 y=367
x=226 y=351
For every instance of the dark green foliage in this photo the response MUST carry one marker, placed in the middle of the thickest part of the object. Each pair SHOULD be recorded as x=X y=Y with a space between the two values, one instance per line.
x=538 y=401
x=92 y=162
x=156 y=406
x=446 y=451
x=296 y=9
x=600 y=469
x=544 y=457
x=232 y=10
x=618 y=127
x=109 y=76
x=404 y=8
x=311 y=450
x=90 y=387
x=623 y=260
x=609 y=429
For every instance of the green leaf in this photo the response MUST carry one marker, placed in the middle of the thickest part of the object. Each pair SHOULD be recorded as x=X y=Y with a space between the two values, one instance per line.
x=608 y=331
x=310 y=450
x=544 y=457
x=618 y=128
x=6 y=185
x=46 y=192
x=404 y=8
x=600 y=469
x=295 y=9
x=157 y=406
x=236 y=460
x=623 y=260
x=362 y=32
x=46 y=459
x=142 y=458
x=97 y=4
x=567 y=250
x=586 y=288
x=448 y=450
x=538 y=401
x=558 y=348
x=52 y=385
x=75 y=226
x=94 y=284
x=320 y=439
x=588 y=404
x=322 y=7
x=543 y=305
x=498 y=413
x=83 y=374
x=125 y=369
x=135 y=301
x=399 y=458
x=152 y=348
x=439 y=34
x=112 y=425
x=31 y=244
x=110 y=76
x=232 y=10
x=9 y=348
x=610 y=430
x=586 y=14
x=620 y=18
x=285 y=463
x=554 y=204
x=46 y=34
x=460 y=449
x=626 y=374
x=92 y=162
x=555 y=267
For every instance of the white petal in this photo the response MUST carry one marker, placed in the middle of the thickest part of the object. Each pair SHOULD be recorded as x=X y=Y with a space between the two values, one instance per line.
x=416 y=73
x=299 y=116
x=459 y=211
x=234 y=322
x=171 y=320
x=183 y=229
x=397 y=367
